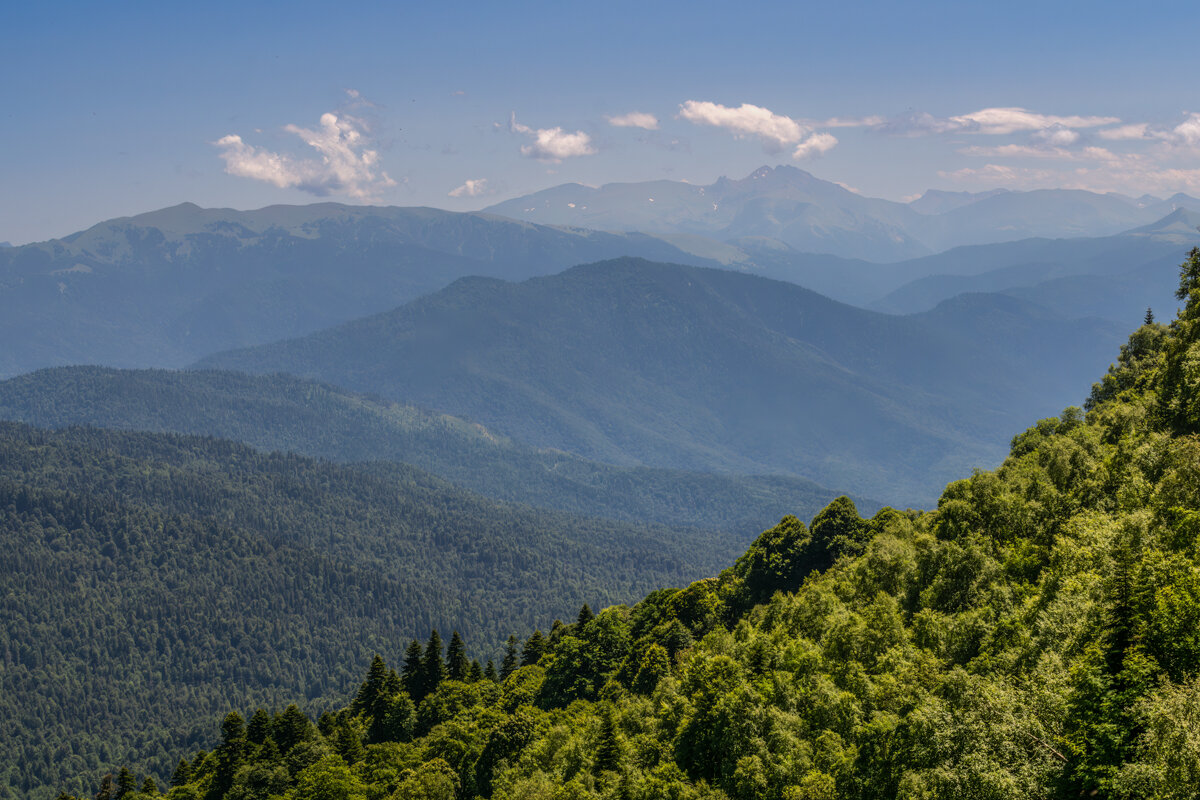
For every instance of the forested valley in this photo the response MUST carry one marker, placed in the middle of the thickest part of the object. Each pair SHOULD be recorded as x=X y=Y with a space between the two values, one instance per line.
x=150 y=581
x=1033 y=636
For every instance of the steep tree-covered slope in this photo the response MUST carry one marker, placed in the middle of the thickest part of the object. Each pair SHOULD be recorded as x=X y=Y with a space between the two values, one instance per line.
x=1035 y=636
x=148 y=579
x=634 y=362
x=280 y=412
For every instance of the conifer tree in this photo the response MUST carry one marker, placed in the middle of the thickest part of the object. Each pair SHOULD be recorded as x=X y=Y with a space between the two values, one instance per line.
x=433 y=669
x=347 y=742
x=105 y=792
x=412 y=670
x=291 y=728
x=490 y=673
x=509 y=665
x=535 y=647
x=259 y=729
x=1149 y=318
x=476 y=672
x=585 y=616
x=126 y=783
x=457 y=665
x=149 y=786
x=372 y=687
x=182 y=773
x=608 y=749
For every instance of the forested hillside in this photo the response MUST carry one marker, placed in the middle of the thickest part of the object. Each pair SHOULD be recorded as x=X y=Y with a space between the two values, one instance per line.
x=150 y=581
x=281 y=412
x=1032 y=637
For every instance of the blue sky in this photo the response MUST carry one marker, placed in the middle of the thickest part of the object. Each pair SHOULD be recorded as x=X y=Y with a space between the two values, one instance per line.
x=113 y=109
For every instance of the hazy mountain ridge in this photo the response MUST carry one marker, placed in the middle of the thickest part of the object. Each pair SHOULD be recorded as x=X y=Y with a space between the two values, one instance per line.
x=1124 y=273
x=167 y=287
x=284 y=413
x=635 y=362
x=814 y=215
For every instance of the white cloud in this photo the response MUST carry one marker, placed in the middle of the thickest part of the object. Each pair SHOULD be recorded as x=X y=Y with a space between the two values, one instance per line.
x=776 y=130
x=634 y=119
x=852 y=122
x=1036 y=151
x=1056 y=136
x=998 y=173
x=347 y=164
x=1185 y=134
x=1133 y=131
x=815 y=145
x=552 y=144
x=471 y=188
x=990 y=121
x=1001 y=121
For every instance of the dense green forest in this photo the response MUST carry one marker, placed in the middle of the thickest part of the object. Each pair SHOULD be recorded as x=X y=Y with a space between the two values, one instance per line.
x=1034 y=636
x=151 y=580
x=282 y=412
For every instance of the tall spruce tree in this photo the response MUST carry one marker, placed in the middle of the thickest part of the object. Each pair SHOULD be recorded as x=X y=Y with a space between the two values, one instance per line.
x=585 y=616
x=373 y=686
x=412 y=670
x=510 y=663
x=433 y=669
x=458 y=668
x=535 y=648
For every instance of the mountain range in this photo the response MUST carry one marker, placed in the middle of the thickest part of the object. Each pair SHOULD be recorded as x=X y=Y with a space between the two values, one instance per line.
x=168 y=287
x=638 y=363
x=789 y=205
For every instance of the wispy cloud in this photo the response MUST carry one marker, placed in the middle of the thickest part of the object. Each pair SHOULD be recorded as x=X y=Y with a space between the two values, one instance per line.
x=1185 y=134
x=470 y=188
x=1090 y=153
x=347 y=163
x=851 y=122
x=634 y=119
x=989 y=121
x=775 y=131
x=1124 y=132
x=552 y=144
x=998 y=174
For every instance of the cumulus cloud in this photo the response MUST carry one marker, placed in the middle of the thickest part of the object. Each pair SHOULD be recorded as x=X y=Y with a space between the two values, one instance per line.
x=776 y=131
x=346 y=165
x=634 y=119
x=1056 y=136
x=552 y=144
x=814 y=145
x=990 y=121
x=471 y=188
